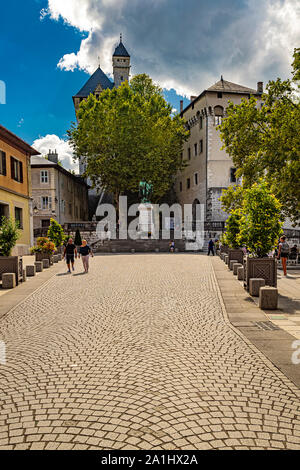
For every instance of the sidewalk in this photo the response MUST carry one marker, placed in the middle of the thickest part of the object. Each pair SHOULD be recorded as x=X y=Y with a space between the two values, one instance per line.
x=272 y=332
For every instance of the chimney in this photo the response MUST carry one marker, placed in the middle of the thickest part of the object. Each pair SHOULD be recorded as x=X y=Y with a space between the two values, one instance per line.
x=53 y=156
x=260 y=87
x=181 y=106
x=193 y=98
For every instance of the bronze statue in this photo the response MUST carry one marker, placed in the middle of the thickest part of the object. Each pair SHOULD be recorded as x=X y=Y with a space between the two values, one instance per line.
x=145 y=192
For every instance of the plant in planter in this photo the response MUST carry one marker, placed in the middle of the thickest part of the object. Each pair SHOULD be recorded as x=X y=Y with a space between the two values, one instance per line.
x=9 y=234
x=77 y=241
x=232 y=236
x=44 y=249
x=260 y=228
x=56 y=233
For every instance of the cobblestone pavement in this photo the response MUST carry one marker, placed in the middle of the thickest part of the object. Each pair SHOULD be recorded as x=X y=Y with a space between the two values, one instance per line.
x=138 y=355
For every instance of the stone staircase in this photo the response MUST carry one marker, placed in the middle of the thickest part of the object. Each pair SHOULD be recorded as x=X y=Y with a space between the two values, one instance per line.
x=138 y=246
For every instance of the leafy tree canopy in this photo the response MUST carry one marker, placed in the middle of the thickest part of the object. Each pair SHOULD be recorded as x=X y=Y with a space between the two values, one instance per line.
x=128 y=135
x=265 y=141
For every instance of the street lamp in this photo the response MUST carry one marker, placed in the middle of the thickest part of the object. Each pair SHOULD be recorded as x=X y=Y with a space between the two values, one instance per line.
x=35 y=210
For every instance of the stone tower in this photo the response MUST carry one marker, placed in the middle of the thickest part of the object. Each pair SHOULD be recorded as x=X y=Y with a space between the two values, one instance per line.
x=121 y=64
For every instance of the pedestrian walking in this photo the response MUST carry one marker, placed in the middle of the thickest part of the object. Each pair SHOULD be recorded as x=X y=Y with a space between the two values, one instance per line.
x=283 y=253
x=172 y=246
x=211 y=246
x=70 y=253
x=85 y=251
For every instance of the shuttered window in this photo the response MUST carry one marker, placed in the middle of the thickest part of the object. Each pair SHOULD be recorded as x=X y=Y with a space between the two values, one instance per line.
x=2 y=163
x=16 y=168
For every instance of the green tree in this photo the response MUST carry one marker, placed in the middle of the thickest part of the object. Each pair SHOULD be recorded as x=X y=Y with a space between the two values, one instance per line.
x=260 y=225
x=128 y=135
x=232 y=234
x=265 y=141
x=56 y=233
x=77 y=241
x=9 y=234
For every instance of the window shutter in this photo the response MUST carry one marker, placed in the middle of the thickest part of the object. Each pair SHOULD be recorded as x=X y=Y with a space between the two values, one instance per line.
x=3 y=163
x=12 y=168
x=21 y=171
x=50 y=202
x=40 y=202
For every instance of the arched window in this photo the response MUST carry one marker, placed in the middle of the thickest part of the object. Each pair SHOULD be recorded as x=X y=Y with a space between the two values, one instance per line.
x=195 y=212
x=218 y=112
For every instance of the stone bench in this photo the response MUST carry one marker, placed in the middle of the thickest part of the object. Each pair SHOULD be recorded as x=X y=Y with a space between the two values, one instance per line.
x=46 y=263
x=232 y=262
x=30 y=271
x=240 y=273
x=268 y=298
x=8 y=280
x=38 y=266
x=235 y=267
x=254 y=285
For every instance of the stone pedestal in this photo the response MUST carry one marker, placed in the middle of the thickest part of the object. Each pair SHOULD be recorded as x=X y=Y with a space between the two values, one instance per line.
x=59 y=257
x=46 y=263
x=268 y=298
x=8 y=280
x=38 y=266
x=146 y=220
x=231 y=263
x=235 y=267
x=255 y=285
x=30 y=271
x=240 y=273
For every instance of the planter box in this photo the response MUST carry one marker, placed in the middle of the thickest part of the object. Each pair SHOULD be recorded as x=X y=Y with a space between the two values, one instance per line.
x=224 y=249
x=264 y=268
x=237 y=254
x=12 y=264
x=41 y=256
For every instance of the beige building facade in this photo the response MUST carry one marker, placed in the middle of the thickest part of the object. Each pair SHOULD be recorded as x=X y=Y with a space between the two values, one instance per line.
x=57 y=193
x=209 y=169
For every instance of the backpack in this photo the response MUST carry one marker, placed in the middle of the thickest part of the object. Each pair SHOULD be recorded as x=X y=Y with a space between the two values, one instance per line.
x=285 y=248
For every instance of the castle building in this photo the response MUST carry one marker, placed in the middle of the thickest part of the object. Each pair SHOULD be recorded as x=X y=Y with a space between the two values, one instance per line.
x=97 y=83
x=209 y=169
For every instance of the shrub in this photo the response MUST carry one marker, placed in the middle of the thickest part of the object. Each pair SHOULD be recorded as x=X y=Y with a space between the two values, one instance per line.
x=44 y=245
x=232 y=234
x=9 y=234
x=56 y=233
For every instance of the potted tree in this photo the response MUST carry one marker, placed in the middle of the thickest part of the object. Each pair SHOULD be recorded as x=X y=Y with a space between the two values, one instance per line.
x=9 y=234
x=232 y=237
x=56 y=234
x=260 y=228
x=44 y=249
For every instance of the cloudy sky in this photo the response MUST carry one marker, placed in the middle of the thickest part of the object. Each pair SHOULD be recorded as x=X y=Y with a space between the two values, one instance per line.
x=48 y=48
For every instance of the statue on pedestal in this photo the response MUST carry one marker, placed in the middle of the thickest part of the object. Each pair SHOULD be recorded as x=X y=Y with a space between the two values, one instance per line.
x=145 y=191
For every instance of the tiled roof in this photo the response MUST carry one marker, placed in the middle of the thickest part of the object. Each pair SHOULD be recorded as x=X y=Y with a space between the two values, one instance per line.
x=223 y=85
x=121 y=51
x=16 y=141
x=39 y=160
x=97 y=78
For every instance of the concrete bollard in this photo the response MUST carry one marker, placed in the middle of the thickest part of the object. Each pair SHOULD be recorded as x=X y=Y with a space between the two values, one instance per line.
x=240 y=273
x=254 y=285
x=59 y=257
x=24 y=278
x=46 y=263
x=235 y=267
x=226 y=259
x=30 y=271
x=232 y=262
x=8 y=280
x=268 y=298
x=55 y=258
x=38 y=266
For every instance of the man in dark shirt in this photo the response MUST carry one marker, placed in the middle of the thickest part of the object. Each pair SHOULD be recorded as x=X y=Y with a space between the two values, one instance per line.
x=211 y=247
x=69 y=253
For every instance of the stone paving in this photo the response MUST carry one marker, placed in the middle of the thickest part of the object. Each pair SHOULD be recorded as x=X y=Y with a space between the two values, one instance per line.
x=138 y=354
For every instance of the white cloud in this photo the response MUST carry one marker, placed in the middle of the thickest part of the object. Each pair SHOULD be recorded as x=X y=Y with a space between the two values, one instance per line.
x=52 y=142
x=185 y=46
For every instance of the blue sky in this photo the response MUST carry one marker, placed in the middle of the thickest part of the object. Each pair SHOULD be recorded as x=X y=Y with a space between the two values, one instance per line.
x=45 y=57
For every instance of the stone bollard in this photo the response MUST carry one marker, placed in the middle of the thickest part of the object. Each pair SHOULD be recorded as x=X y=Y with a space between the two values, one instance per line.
x=240 y=273
x=46 y=263
x=268 y=298
x=59 y=257
x=232 y=262
x=254 y=286
x=235 y=267
x=8 y=280
x=38 y=266
x=55 y=258
x=30 y=271
x=24 y=279
x=226 y=259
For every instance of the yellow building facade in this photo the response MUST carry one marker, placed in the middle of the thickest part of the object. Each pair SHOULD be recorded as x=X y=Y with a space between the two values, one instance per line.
x=15 y=186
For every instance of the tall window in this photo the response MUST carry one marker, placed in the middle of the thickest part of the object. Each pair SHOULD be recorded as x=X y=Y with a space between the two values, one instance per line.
x=46 y=202
x=19 y=217
x=196 y=178
x=220 y=94
x=218 y=120
x=188 y=183
x=200 y=122
x=180 y=186
x=232 y=175
x=16 y=169
x=189 y=153
x=2 y=163
x=201 y=146
x=44 y=176
x=195 y=150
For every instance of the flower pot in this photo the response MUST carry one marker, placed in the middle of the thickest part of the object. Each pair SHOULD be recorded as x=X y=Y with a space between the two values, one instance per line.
x=264 y=268
x=236 y=254
x=39 y=256
x=12 y=264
